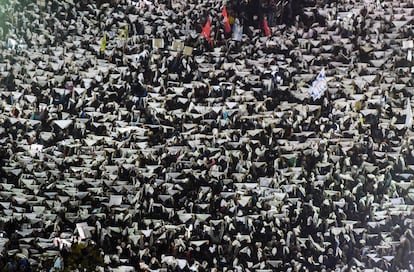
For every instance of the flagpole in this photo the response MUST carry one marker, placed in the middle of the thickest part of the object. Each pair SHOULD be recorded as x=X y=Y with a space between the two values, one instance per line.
x=216 y=36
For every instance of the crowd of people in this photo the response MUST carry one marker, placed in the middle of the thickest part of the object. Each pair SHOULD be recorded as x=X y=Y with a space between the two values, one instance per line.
x=142 y=135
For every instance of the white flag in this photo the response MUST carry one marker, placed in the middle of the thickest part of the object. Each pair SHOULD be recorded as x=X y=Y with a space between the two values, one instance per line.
x=409 y=114
x=237 y=31
x=319 y=85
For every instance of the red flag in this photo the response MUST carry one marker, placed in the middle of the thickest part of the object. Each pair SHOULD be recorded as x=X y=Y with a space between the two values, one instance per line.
x=206 y=31
x=227 y=27
x=266 y=28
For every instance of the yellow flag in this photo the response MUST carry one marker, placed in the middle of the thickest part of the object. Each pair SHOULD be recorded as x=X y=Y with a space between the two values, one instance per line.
x=103 y=43
x=124 y=33
x=358 y=106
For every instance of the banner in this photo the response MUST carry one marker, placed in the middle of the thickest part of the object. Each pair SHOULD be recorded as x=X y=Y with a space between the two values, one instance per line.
x=266 y=28
x=206 y=31
x=227 y=27
x=409 y=114
x=103 y=43
x=319 y=86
